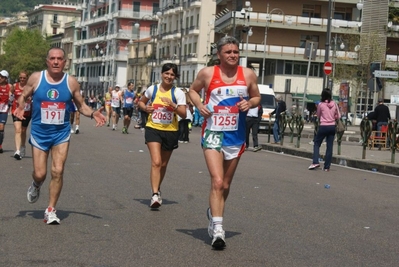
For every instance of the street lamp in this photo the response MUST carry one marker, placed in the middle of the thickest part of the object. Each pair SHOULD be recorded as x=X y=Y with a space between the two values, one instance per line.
x=268 y=18
x=245 y=12
x=249 y=34
x=341 y=46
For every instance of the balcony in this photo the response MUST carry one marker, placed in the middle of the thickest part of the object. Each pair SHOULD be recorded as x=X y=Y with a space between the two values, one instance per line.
x=281 y=21
x=55 y=23
x=295 y=53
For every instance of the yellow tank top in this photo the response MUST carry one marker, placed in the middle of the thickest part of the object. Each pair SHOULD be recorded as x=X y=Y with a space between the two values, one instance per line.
x=108 y=98
x=163 y=117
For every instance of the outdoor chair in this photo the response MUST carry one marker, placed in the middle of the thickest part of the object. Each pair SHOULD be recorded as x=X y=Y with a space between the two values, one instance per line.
x=379 y=139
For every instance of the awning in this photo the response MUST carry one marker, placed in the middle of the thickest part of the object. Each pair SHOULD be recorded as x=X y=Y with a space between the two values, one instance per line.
x=310 y=98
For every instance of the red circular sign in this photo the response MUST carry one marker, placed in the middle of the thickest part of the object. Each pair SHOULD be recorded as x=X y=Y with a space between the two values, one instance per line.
x=327 y=68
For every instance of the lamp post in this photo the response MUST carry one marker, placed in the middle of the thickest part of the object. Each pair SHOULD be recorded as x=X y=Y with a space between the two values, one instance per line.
x=341 y=46
x=245 y=12
x=268 y=17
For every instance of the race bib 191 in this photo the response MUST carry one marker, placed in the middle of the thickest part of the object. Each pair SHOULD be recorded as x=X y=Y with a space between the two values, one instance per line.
x=213 y=140
x=52 y=112
x=225 y=118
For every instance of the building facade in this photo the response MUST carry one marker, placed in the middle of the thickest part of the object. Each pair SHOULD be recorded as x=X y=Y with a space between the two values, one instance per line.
x=103 y=37
x=277 y=37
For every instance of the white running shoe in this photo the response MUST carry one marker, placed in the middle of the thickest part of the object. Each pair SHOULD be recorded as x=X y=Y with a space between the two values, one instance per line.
x=210 y=225
x=72 y=131
x=33 y=193
x=218 y=241
x=50 y=217
x=156 y=201
x=22 y=151
x=77 y=131
x=17 y=155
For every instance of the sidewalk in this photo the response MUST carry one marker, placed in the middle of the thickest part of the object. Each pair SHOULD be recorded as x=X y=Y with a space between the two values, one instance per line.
x=351 y=150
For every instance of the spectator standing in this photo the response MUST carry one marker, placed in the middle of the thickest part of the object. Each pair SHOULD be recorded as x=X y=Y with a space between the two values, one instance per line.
x=184 y=123
x=328 y=113
x=381 y=114
x=254 y=117
x=281 y=107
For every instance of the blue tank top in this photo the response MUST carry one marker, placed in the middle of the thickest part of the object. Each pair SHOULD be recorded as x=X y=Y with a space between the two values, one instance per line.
x=128 y=98
x=50 y=105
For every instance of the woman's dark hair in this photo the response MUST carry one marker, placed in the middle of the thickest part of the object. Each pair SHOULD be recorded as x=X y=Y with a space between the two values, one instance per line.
x=130 y=83
x=172 y=66
x=326 y=95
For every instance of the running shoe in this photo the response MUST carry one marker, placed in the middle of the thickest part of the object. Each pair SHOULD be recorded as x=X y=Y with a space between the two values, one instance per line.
x=1 y=149
x=17 y=155
x=72 y=131
x=257 y=148
x=22 y=151
x=77 y=131
x=108 y=125
x=33 y=193
x=218 y=241
x=314 y=166
x=124 y=130
x=156 y=201
x=50 y=217
x=210 y=225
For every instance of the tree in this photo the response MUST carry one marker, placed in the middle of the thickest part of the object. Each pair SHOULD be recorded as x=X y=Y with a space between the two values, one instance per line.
x=371 y=48
x=24 y=50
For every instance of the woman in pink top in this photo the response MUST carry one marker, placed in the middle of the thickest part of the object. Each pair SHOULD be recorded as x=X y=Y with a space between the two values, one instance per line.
x=328 y=113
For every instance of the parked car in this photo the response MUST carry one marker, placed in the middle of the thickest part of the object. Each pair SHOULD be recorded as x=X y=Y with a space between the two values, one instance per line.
x=354 y=119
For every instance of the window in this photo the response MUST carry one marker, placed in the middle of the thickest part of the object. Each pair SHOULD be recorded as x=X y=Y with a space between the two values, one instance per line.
x=155 y=8
x=136 y=6
x=304 y=38
x=55 y=18
x=54 y=30
x=300 y=68
x=311 y=11
x=343 y=13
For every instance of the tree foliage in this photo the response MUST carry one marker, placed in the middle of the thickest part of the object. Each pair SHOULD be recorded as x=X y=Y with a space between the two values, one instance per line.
x=24 y=50
x=10 y=7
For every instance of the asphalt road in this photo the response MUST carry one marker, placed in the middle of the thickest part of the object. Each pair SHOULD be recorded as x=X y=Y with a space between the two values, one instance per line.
x=278 y=212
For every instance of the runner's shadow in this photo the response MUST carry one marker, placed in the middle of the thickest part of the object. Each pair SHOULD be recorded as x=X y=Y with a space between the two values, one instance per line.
x=61 y=214
x=148 y=201
x=202 y=234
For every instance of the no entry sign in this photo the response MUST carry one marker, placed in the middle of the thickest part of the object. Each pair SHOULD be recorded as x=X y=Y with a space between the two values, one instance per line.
x=327 y=68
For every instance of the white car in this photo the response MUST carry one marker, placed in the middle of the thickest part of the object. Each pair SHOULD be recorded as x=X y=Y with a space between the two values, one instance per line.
x=354 y=119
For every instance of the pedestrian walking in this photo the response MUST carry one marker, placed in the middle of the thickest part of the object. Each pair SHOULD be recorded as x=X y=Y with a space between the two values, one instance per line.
x=281 y=107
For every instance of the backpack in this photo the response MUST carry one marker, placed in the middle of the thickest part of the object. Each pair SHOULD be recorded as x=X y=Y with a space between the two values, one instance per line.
x=155 y=92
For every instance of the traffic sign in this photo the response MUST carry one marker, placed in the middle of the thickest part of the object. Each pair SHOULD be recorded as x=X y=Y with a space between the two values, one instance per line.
x=327 y=68
x=386 y=74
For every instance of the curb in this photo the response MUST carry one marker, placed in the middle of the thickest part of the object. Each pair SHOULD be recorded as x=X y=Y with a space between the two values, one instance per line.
x=365 y=164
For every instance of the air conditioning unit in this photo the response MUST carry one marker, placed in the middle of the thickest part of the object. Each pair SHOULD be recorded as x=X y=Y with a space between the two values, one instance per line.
x=101 y=1
x=193 y=55
x=92 y=3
